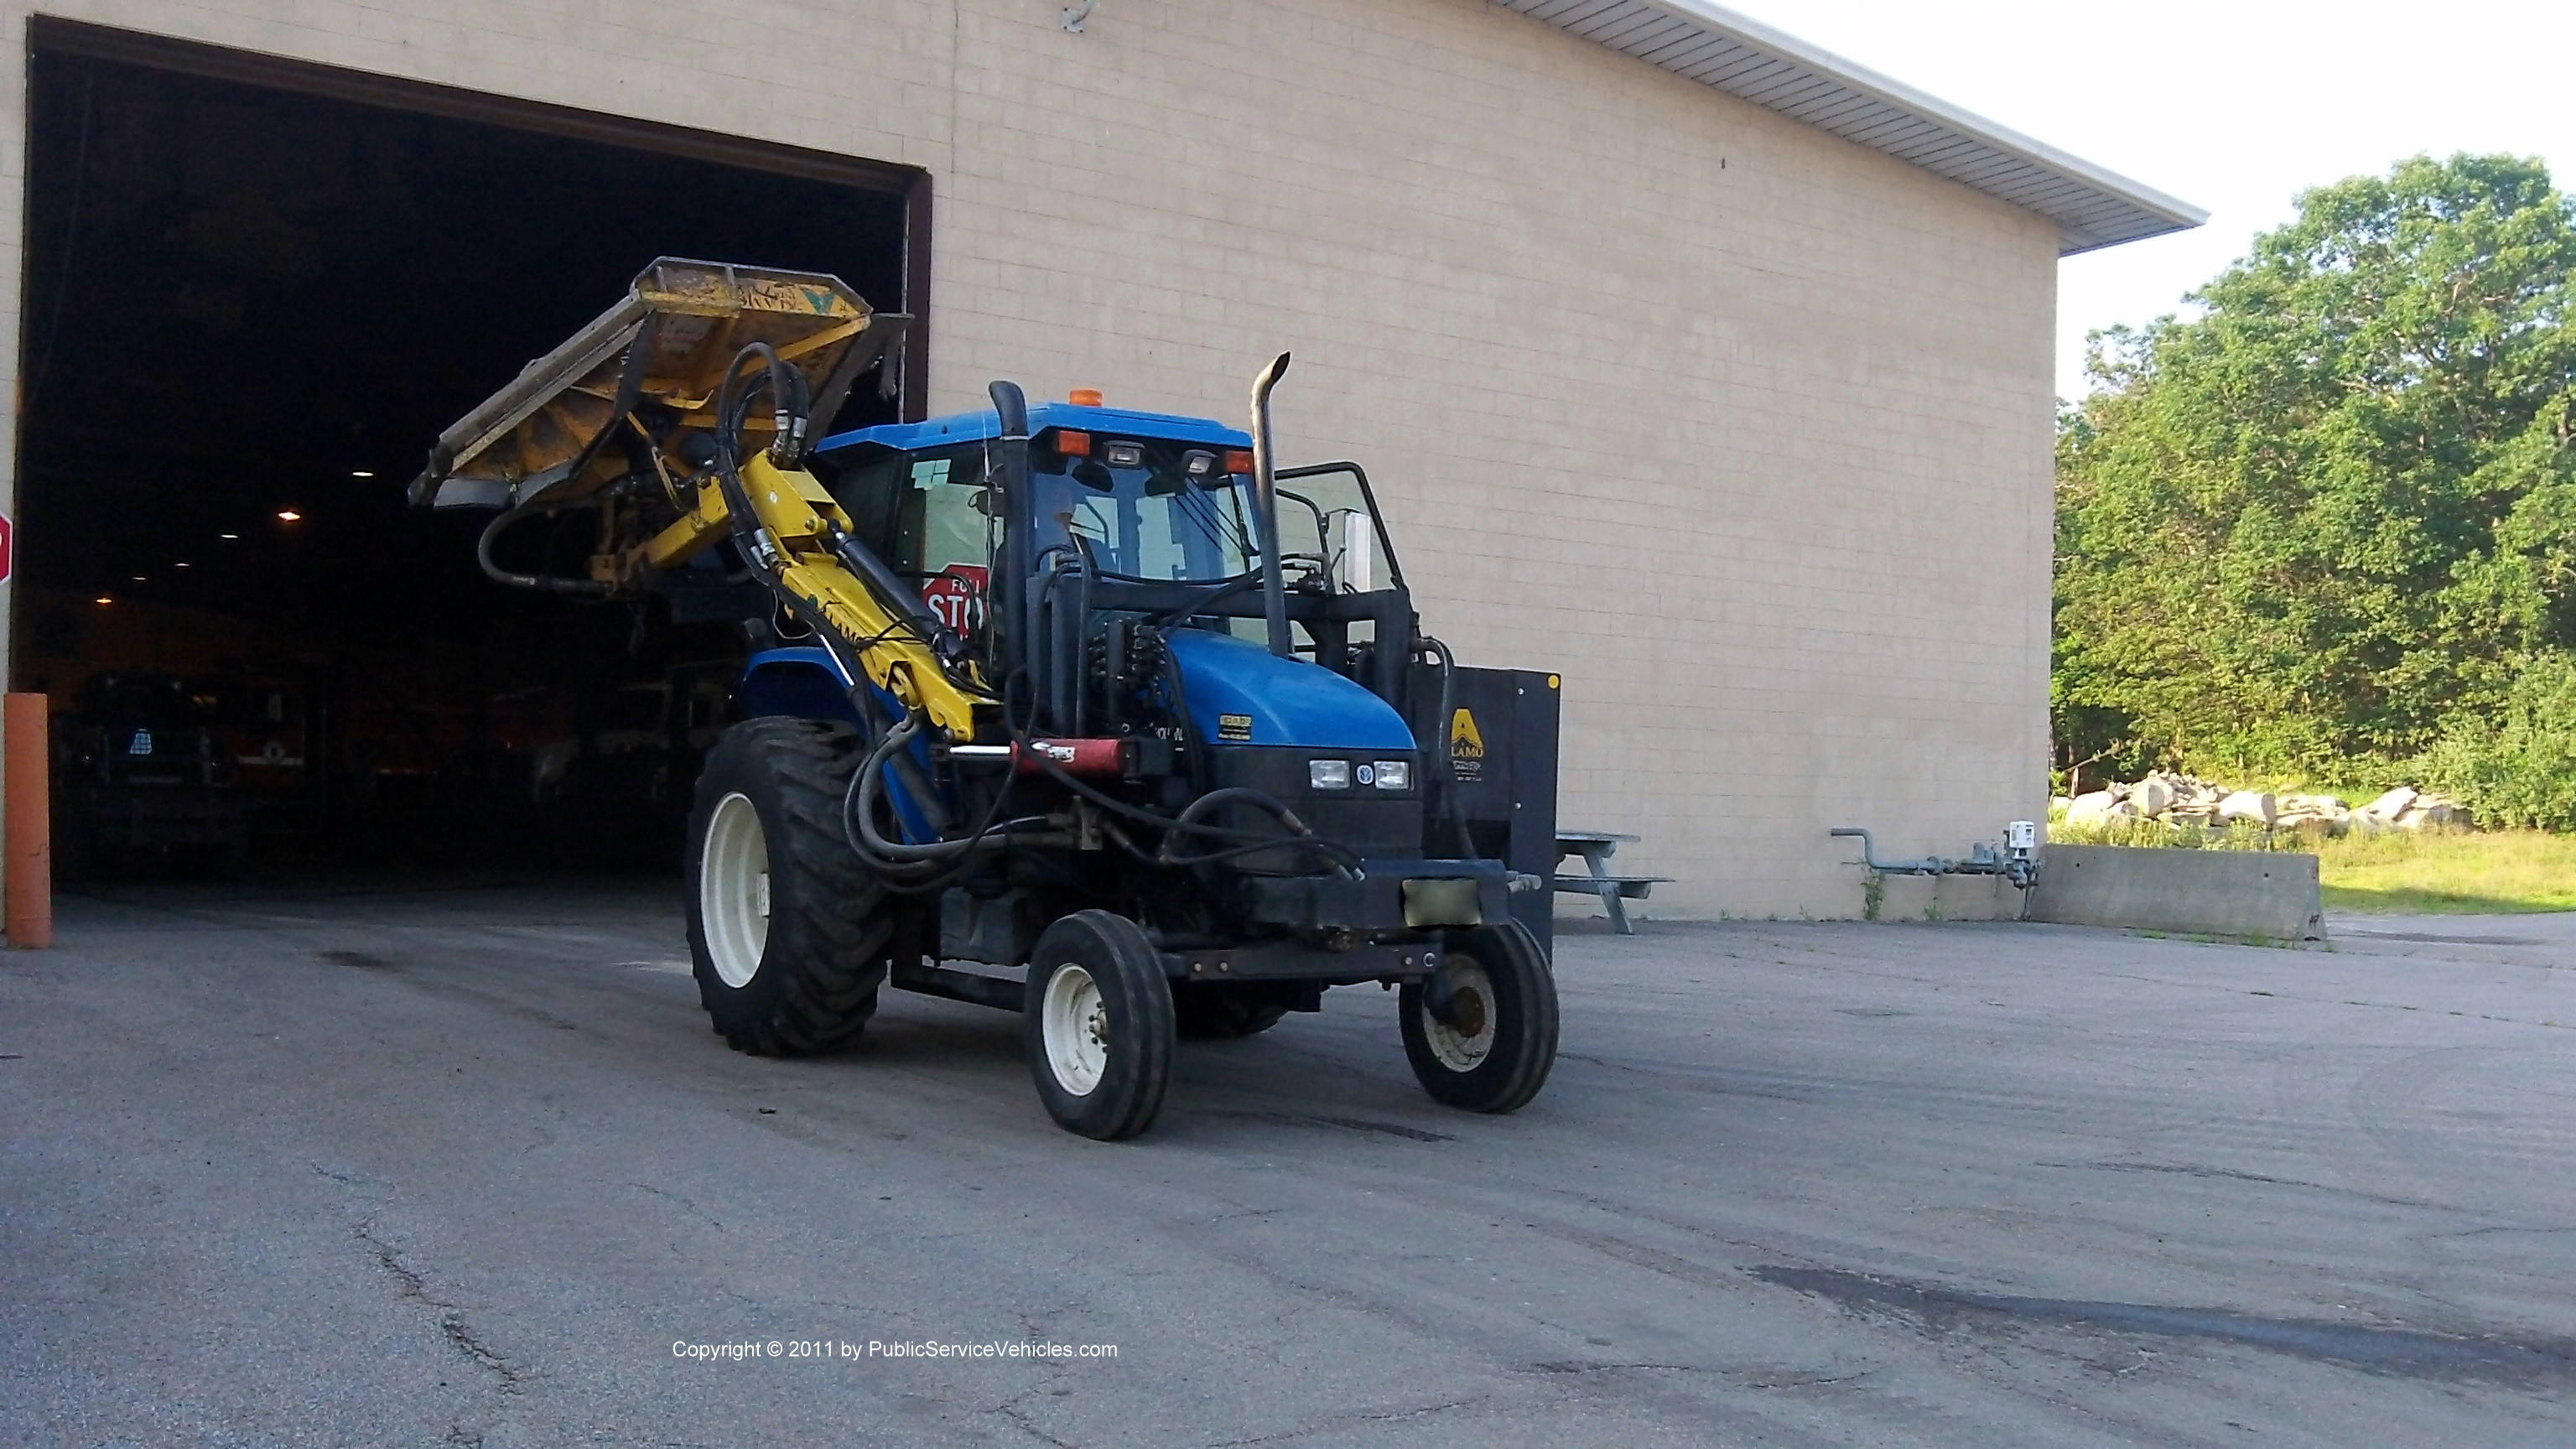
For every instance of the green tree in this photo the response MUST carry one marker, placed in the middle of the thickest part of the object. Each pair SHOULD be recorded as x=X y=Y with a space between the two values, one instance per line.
x=2335 y=512
x=2516 y=766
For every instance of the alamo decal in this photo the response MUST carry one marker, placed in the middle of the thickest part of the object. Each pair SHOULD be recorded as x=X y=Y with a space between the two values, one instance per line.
x=1466 y=748
x=1234 y=726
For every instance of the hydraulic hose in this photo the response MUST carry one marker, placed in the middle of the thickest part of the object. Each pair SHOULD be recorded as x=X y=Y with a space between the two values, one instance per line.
x=1263 y=801
x=543 y=583
x=858 y=814
x=1216 y=594
x=1302 y=836
x=757 y=548
x=1450 y=805
x=1334 y=852
x=1152 y=818
x=761 y=553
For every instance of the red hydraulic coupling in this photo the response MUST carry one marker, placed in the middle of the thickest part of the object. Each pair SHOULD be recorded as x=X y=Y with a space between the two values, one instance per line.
x=1074 y=757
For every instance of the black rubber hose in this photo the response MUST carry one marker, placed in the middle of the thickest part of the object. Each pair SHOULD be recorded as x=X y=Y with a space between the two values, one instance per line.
x=1216 y=594
x=787 y=401
x=1193 y=749
x=1260 y=800
x=543 y=583
x=789 y=397
x=864 y=787
x=1234 y=852
x=1440 y=746
x=858 y=809
x=1143 y=816
x=1301 y=836
x=760 y=555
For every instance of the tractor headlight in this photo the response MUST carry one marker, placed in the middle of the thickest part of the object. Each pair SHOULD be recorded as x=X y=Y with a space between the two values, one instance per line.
x=1329 y=774
x=1394 y=774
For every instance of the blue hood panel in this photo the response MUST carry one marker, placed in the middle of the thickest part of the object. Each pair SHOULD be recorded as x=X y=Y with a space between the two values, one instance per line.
x=1288 y=701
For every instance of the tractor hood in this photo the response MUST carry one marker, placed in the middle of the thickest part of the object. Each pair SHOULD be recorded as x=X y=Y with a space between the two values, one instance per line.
x=1242 y=694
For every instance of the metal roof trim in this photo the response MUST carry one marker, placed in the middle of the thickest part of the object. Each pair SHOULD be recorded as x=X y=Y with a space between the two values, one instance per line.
x=2093 y=207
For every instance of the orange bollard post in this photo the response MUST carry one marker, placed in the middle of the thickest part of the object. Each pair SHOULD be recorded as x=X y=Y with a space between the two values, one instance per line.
x=26 y=847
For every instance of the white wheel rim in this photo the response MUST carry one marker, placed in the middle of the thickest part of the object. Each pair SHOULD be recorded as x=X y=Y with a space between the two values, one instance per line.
x=1076 y=1023
x=733 y=890
x=1463 y=1045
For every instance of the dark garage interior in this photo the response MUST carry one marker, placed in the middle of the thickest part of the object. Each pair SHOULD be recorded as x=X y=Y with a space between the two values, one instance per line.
x=253 y=299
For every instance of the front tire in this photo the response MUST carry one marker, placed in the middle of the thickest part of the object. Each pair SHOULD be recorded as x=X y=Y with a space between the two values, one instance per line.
x=1097 y=1025
x=1494 y=1052
x=788 y=930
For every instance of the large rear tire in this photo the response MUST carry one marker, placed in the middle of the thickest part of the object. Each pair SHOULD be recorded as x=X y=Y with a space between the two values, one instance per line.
x=788 y=930
x=1097 y=1024
x=1494 y=1052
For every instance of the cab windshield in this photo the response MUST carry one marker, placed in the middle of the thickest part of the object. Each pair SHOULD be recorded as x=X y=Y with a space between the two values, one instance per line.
x=1137 y=510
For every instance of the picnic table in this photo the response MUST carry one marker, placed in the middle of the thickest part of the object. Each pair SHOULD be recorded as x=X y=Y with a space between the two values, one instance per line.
x=1596 y=847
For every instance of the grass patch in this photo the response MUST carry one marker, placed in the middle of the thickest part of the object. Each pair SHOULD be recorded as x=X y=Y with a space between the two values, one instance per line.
x=2495 y=872
x=2398 y=872
x=2159 y=834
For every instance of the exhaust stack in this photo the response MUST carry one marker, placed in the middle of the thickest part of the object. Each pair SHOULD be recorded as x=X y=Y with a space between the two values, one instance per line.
x=1265 y=501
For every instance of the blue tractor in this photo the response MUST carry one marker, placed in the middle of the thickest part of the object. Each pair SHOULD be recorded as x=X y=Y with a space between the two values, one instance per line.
x=1091 y=714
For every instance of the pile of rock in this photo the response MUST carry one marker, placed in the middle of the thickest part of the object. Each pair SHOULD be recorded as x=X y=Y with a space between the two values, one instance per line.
x=2184 y=800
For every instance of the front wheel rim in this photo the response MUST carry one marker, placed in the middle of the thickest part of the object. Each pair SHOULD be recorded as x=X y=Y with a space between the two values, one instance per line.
x=1075 y=1021
x=1463 y=1044
x=733 y=890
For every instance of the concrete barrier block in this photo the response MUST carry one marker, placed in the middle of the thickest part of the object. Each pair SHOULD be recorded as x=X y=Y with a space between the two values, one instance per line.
x=2271 y=895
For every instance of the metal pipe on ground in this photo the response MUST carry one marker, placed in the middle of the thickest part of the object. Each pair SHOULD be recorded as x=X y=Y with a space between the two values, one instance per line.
x=2016 y=862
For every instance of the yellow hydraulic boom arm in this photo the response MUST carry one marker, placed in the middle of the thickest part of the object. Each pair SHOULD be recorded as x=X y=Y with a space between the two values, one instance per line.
x=798 y=514
x=598 y=424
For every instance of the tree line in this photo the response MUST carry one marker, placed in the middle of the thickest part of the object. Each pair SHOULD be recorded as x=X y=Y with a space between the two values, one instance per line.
x=2326 y=527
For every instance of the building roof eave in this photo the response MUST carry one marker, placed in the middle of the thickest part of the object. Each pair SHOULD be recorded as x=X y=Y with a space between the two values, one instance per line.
x=2092 y=206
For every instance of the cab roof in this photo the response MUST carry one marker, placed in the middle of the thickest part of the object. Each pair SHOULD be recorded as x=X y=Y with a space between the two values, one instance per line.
x=985 y=426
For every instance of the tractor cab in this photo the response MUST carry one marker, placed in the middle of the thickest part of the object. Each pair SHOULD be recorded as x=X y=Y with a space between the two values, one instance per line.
x=1148 y=614
x=1147 y=517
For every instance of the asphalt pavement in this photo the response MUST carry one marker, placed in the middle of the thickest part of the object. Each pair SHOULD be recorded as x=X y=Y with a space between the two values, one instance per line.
x=461 y=1164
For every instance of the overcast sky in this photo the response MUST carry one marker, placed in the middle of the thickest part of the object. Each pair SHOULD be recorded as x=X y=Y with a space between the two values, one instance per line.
x=2234 y=107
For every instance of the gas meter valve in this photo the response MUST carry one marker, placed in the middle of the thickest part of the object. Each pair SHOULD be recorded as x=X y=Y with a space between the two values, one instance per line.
x=2021 y=852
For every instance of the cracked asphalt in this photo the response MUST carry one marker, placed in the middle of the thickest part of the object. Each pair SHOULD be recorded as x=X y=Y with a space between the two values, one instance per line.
x=460 y=1165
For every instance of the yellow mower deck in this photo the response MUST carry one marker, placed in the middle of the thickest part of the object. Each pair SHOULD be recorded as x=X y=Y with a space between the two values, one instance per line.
x=538 y=441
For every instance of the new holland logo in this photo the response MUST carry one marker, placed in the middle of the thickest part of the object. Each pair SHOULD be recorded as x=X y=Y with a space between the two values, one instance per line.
x=1466 y=747
x=1234 y=726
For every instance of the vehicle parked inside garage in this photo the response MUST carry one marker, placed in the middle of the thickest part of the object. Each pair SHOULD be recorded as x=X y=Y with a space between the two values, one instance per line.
x=142 y=776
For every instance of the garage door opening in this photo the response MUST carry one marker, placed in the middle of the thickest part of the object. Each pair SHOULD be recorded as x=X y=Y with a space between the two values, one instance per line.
x=254 y=297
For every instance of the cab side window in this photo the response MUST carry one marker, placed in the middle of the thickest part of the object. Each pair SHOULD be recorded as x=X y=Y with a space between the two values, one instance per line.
x=945 y=521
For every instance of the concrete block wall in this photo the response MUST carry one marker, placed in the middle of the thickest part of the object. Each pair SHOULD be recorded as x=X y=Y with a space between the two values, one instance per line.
x=1740 y=428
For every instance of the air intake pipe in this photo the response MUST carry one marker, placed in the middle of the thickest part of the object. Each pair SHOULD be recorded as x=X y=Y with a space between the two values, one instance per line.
x=1012 y=588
